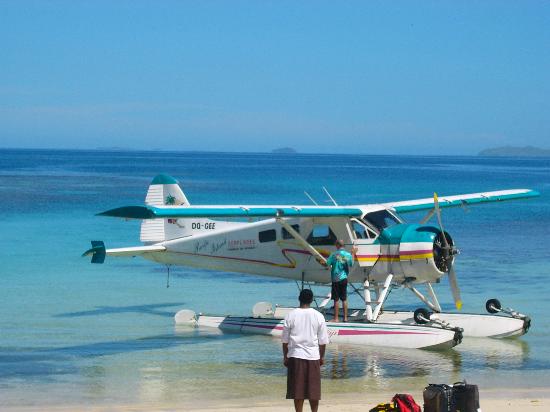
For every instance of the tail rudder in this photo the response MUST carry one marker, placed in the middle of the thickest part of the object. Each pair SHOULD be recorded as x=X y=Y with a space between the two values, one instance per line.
x=97 y=251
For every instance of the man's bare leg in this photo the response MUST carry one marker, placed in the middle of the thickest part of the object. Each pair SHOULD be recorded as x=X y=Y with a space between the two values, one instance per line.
x=314 y=405
x=336 y=310
x=298 y=405
x=345 y=310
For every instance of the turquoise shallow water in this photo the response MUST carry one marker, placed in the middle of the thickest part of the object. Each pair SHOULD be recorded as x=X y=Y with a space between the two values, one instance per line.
x=72 y=332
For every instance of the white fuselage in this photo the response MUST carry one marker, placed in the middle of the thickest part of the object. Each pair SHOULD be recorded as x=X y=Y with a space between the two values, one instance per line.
x=260 y=248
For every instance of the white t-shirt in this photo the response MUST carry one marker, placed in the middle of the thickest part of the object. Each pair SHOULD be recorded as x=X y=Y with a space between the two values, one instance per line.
x=304 y=330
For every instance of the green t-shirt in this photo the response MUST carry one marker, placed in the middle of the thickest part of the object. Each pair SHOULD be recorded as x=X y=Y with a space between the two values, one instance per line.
x=340 y=263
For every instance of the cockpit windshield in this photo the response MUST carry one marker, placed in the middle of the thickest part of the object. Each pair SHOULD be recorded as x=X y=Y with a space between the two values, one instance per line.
x=381 y=219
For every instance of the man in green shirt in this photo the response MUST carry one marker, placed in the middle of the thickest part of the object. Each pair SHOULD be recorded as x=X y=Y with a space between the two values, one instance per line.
x=340 y=263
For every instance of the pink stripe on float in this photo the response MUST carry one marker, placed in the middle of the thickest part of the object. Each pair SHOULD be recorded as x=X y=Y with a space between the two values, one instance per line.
x=344 y=332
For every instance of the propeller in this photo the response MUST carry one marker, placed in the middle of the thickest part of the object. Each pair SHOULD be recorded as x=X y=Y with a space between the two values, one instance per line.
x=448 y=253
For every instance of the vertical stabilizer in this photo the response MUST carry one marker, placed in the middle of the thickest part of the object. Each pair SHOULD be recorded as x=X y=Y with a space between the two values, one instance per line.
x=163 y=191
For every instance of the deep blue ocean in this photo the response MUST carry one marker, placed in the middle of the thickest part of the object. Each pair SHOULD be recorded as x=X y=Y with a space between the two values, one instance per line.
x=75 y=333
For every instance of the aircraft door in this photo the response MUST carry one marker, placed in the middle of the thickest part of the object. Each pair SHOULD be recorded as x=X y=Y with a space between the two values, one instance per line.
x=368 y=249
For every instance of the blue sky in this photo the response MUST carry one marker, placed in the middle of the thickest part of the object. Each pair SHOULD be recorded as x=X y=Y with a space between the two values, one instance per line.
x=373 y=77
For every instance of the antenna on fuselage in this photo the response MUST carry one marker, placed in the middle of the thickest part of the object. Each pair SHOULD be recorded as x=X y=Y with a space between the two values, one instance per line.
x=312 y=199
x=330 y=197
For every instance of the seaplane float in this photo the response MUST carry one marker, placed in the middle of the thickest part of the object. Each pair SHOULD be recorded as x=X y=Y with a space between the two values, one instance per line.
x=293 y=242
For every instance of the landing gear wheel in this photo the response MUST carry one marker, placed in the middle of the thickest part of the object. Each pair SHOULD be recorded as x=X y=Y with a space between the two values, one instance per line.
x=421 y=316
x=493 y=306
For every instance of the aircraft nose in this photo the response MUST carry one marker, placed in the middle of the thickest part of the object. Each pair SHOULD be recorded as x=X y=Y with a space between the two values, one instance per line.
x=444 y=251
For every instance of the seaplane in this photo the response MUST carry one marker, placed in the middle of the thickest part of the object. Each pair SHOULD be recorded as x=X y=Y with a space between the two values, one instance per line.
x=293 y=242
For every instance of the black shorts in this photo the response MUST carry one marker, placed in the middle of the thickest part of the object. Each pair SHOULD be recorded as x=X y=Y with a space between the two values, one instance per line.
x=340 y=290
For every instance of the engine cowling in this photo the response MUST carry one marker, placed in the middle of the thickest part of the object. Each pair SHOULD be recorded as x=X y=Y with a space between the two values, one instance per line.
x=415 y=252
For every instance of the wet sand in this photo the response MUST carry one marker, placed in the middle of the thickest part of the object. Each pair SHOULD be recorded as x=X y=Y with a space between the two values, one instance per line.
x=491 y=401
x=494 y=400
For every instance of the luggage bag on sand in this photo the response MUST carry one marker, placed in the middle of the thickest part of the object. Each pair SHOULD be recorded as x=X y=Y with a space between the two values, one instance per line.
x=460 y=397
x=466 y=397
x=438 y=398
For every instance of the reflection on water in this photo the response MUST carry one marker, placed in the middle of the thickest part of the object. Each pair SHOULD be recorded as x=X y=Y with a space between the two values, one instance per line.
x=497 y=353
x=347 y=361
x=151 y=309
x=336 y=366
x=380 y=367
x=352 y=361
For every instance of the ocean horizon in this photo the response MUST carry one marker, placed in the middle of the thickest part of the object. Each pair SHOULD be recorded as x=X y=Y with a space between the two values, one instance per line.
x=276 y=151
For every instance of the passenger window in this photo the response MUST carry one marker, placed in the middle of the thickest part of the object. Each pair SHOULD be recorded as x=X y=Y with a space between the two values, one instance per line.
x=287 y=235
x=321 y=235
x=267 y=236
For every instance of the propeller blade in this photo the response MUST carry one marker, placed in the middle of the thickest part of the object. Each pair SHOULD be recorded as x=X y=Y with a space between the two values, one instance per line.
x=454 y=287
x=438 y=215
x=452 y=274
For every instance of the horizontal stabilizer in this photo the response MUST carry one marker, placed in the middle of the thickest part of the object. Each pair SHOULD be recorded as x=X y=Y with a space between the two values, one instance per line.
x=99 y=252
x=462 y=200
x=135 y=251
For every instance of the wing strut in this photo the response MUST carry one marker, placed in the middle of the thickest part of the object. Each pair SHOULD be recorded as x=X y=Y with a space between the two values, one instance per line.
x=318 y=257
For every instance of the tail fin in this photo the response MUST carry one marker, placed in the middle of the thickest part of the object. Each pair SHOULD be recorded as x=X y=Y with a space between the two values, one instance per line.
x=163 y=191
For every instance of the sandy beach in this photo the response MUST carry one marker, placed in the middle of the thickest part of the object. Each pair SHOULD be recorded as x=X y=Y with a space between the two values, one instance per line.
x=494 y=400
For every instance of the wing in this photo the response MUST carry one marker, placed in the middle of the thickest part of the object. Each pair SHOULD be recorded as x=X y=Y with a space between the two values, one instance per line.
x=155 y=212
x=209 y=211
x=461 y=200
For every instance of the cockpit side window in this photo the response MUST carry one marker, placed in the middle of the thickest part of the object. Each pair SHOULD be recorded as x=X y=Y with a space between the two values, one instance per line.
x=361 y=231
x=286 y=234
x=381 y=219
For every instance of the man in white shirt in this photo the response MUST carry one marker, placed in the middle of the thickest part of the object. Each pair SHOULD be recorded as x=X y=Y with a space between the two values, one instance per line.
x=304 y=340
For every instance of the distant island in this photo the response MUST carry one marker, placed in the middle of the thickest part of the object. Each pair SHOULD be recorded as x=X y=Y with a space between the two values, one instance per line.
x=511 y=151
x=285 y=150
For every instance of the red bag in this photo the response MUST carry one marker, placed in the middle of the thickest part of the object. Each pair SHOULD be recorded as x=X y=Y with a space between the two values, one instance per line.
x=405 y=403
